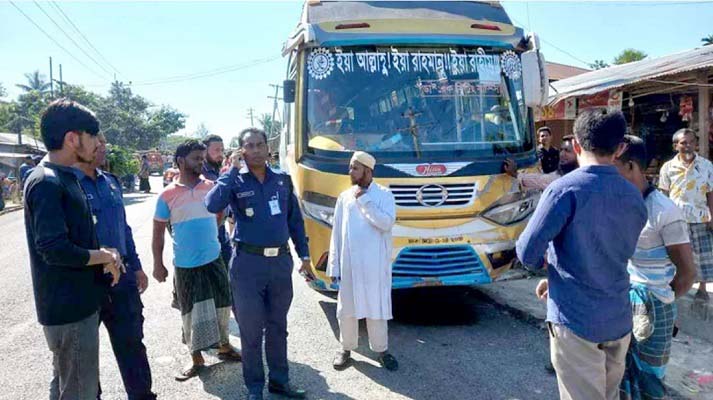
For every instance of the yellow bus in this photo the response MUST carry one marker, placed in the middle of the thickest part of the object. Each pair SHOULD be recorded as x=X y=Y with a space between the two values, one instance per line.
x=440 y=93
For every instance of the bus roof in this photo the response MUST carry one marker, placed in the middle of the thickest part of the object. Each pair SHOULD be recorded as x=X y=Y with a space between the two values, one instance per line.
x=353 y=23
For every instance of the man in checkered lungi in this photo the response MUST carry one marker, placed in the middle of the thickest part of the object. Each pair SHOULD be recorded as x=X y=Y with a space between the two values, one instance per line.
x=688 y=181
x=660 y=270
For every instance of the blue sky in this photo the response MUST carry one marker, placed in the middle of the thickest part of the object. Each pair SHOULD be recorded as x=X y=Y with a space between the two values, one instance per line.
x=148 y=42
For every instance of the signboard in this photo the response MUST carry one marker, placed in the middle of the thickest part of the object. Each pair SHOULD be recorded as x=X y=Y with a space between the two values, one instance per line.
x=321 y=63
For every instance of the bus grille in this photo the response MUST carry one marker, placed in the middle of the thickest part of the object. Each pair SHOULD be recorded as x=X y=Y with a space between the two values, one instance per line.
x=433 y=195
x=435 y=261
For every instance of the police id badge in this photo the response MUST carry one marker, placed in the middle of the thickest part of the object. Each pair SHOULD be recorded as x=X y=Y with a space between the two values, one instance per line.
x=249 y=212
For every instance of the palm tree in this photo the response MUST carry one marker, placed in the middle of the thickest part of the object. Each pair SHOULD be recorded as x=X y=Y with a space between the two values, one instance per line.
x=598 y=64
x=35 y=82
x=708 y=40
x=629 y=55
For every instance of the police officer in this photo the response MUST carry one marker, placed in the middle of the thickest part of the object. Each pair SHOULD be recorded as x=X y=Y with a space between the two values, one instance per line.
x=211 y=171
x=121 y=311
x=267 y=215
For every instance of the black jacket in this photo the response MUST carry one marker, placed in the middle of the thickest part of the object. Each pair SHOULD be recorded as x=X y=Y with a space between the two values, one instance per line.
x=60 y=232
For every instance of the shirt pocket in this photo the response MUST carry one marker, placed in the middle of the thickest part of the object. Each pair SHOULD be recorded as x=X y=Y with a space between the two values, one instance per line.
x=247 y=208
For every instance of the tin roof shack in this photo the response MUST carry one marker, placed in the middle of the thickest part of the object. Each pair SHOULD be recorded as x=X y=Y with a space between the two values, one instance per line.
x=14 y=148
x=658 y=96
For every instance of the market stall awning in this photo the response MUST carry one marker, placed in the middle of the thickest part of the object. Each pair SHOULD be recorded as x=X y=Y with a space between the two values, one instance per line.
x=622 y=75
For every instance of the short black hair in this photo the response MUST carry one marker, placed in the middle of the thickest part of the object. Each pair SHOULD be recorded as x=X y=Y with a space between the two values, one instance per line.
x=185 y=148
x=635 y=151
x=567 y=138
x=62 y=116
x=245 y=132
x=212 y=138
x=600 y=132
x=543 y=129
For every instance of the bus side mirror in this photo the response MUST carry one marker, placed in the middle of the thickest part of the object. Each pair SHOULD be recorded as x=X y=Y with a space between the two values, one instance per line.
x=288 y=91
x=535 y=83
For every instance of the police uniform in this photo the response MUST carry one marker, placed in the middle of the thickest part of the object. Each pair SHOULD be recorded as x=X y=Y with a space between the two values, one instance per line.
x=266 y=216
x=213 y=174
x=121 y=311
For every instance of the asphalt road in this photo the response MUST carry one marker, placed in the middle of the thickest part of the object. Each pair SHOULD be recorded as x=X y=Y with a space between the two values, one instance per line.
x=450 y=344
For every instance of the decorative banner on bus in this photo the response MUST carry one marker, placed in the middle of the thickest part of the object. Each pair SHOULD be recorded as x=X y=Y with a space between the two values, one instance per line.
x=321 y=63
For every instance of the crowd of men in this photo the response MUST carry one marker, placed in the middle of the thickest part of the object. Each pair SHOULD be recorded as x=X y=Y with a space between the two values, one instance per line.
x=86 y=271
x=618 y=252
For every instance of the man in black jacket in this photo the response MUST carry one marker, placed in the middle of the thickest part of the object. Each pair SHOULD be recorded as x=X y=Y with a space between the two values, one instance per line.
x=65 y=259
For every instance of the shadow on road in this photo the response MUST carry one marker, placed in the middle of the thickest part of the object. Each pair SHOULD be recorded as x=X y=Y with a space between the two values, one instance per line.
x=225 y=381
x=134 y=198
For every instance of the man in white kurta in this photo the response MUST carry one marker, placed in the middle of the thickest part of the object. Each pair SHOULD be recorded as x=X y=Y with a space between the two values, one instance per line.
x=360 y=259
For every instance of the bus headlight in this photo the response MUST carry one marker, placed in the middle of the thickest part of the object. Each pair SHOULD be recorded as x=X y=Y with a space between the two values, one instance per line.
x=319 y=207
x=512 y=208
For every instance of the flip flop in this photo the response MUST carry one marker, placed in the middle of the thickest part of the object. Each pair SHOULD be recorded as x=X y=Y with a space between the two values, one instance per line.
x=191 y=372
x=231 y=355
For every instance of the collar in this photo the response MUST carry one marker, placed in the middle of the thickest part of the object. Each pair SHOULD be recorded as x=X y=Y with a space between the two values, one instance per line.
x=680 y=161
x=269 y=173
x=61 y=168
x=81 y=175
x=200 y=181
x=600 y=169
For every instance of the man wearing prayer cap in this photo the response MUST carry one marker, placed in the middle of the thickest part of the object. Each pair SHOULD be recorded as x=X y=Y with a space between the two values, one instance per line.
x=360 y=260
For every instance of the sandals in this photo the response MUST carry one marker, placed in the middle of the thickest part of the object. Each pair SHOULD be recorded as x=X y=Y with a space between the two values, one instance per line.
x=191 y=372
x=232 y=355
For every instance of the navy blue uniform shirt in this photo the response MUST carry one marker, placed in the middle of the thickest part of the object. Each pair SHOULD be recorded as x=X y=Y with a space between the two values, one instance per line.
x=256 y=222
x=105 y=198
x=591 y=219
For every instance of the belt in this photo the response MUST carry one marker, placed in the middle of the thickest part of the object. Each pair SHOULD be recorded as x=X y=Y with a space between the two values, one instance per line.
x=264 y=251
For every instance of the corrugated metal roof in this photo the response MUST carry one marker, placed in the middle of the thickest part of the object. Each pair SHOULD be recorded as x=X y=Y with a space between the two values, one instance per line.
x=622 y=75
x=557 y=71
x=29 y=141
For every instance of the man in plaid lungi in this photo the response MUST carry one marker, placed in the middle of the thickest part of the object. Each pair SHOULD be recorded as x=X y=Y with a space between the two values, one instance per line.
x=688 y=181
x=660 y=270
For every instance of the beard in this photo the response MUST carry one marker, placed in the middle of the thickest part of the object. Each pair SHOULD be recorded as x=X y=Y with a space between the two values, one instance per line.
x=567 y=168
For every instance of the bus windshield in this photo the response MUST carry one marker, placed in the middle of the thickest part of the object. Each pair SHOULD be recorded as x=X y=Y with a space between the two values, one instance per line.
x=425 y=103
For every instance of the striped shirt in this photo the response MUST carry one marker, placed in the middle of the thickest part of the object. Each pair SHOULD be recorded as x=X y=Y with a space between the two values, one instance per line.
x=650 y=265
x=195 y=230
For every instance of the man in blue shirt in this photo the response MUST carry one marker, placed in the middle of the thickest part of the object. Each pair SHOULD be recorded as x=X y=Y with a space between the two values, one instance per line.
x=121 y=311
x=267 y=215
x=211 y=171
x=25 y=168
x=590 y=219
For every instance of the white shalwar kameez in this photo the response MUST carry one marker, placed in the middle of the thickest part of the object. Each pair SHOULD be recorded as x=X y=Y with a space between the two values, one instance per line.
x=360 y=255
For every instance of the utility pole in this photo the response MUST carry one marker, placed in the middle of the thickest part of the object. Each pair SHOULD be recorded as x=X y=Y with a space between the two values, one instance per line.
x=251 y=112
x=51 y=80
x=61 y=81
x=273 y=126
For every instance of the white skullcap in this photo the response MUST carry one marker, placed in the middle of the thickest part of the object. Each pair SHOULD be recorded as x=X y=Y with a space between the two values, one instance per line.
x=365 y=159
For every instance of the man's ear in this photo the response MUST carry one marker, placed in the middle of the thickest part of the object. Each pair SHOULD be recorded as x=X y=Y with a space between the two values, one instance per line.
x=621 y=149
x=576 y=147
x=71 y=139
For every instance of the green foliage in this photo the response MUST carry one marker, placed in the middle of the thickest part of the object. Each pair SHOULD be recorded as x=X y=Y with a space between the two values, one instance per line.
x=598 y=64
x=121 y=161
x=36 y=82
x=3 y=92
x=629 y=55
x=128 y=120
x=201 y=131
x=708 y=40
x=173 y=141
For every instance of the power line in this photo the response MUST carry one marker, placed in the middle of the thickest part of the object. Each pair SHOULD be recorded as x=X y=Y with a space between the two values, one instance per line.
x=553 y=45
x=69 y=20
x=70 y=38
x=206 y=74
x=54 y=41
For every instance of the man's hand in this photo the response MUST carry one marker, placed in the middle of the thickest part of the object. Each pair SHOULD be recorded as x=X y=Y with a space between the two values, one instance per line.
x=542 y=289
x=113 y=264
x=305 y=271
x=142 y=281
x=510 y=167
x=235 y=159
x=160 y=273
